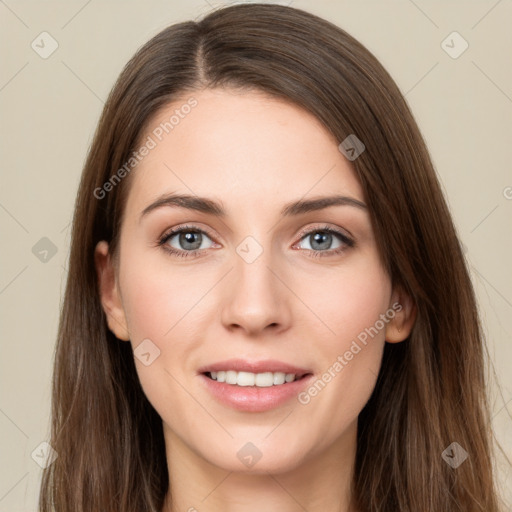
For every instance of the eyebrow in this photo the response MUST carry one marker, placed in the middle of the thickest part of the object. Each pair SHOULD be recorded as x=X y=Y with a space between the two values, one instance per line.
x=209 y=206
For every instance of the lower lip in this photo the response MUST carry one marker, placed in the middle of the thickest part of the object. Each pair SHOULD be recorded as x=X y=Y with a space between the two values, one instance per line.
x=253 y=398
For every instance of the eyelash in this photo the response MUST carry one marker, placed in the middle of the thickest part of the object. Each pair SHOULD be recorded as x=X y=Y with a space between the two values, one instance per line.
x=349 y=243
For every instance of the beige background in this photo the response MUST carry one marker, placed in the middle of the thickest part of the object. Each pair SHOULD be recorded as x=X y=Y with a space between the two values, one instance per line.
x=49 y=109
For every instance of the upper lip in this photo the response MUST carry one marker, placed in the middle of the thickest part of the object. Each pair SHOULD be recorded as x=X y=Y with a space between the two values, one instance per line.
x=243 y=365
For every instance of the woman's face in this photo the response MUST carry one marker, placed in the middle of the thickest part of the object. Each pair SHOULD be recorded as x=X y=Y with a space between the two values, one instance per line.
x=267 y=287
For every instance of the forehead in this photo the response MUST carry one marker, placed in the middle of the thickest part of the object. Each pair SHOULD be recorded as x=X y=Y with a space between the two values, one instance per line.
x=245 y=148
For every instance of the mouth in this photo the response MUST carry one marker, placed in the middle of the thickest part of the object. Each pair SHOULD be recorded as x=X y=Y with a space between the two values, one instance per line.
x=259 y=380
x=261 y=374
x=254 y=386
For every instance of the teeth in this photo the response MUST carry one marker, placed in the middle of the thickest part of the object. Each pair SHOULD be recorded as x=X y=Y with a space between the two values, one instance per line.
x=230 y=377
x=279 y=378
x=261 y=380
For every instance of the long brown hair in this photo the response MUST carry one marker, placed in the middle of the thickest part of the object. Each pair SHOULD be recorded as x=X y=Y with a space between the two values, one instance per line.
x=431 y=388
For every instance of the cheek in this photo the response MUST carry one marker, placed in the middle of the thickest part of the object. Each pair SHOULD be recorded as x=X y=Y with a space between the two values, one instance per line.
x=157 y=298
x=346 y=301
x=351 y=307
x=157 y=301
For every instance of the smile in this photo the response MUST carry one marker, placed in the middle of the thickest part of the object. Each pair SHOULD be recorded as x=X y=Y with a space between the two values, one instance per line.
x=261 y=380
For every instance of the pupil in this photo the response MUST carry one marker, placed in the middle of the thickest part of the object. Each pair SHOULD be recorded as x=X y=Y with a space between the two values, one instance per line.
x=188 y=238
x=322 y=241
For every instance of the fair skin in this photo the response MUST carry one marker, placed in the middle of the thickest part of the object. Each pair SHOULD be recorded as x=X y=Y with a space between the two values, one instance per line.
x=253 y=155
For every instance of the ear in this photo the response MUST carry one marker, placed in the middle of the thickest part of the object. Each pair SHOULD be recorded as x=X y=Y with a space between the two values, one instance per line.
x=400 y=325
x=109 y=292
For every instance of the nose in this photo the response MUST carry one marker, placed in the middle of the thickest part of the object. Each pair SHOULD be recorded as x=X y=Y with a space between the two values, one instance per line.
x=256 y=299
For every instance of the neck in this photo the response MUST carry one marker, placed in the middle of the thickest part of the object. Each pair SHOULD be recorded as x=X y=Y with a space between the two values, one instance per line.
x=320 y=482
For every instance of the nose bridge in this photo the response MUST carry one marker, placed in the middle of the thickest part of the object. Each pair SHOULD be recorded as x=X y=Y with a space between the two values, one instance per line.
x=255 y=298
x=252 y=268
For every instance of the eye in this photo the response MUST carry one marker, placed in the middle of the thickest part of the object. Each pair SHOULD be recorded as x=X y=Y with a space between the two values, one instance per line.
x=321 y=240
x=189 y=241
x=185 y=241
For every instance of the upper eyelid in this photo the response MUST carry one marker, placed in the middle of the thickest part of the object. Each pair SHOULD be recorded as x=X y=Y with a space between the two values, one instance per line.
x=174 y=231
x=336 y=230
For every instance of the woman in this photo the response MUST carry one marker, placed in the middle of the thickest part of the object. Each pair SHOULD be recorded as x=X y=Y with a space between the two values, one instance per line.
x=317 y=347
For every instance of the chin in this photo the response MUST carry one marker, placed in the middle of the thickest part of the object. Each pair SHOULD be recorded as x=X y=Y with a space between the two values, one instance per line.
x=256 y=457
